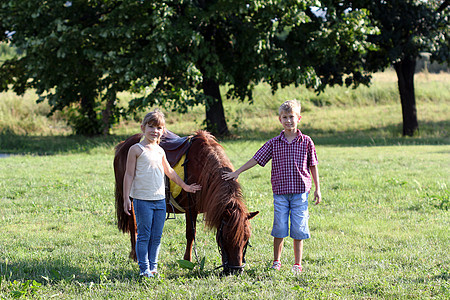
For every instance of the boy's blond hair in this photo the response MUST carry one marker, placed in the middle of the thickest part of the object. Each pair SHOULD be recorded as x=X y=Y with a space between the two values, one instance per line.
x=154 y=118
x=290 y=106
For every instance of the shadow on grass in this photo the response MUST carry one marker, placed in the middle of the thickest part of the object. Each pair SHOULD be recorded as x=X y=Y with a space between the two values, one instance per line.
x=431 y=133
x=52 y=271
x=51 y=145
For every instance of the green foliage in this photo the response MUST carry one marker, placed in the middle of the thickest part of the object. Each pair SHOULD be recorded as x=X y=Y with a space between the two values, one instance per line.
x=84 y=124
x=24 y=289
x=331 y=47
x=81 y=54
x=404 y=35
x=64 y=56
x=185 y=264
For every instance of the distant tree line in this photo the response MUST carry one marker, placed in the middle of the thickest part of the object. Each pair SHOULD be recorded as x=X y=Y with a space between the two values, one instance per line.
x=424 y=64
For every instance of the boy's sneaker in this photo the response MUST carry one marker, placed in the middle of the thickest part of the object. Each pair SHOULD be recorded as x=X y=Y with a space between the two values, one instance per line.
x=297 y=269
x=147 y=274
x=276 y=265
x=154 y=273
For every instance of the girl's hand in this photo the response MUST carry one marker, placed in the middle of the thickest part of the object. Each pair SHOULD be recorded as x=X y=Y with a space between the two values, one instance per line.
x=127 y=206
x=229 y=175
x=192 y=188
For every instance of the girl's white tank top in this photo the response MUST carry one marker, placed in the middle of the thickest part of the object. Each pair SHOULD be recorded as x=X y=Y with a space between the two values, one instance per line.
x=149 y=179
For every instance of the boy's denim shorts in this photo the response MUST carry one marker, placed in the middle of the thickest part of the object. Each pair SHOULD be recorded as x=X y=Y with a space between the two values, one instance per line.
x=295 y=208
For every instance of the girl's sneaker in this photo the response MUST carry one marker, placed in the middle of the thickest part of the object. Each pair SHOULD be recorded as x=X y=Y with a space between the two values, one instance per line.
x=297 y=269
x=276 y=265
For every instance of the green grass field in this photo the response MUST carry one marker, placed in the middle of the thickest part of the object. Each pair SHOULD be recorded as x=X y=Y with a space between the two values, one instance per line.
x=380 y=233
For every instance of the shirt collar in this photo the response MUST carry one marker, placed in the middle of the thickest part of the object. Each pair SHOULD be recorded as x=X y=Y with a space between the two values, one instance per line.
x=298 y=138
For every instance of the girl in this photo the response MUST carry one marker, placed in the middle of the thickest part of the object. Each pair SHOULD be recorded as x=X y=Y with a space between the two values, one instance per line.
x=144 y=183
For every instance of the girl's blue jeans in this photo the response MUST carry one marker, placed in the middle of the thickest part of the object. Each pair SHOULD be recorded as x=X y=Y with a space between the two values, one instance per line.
x=150 y=218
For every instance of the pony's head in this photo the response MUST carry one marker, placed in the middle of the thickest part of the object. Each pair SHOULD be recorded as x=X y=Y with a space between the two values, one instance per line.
x=233 y=247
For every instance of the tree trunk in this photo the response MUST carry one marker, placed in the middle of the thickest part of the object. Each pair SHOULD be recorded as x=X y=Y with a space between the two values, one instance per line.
x=87 y=123
x=107 y=113
x=405 y=74
x=215 y=116
x=87 y=108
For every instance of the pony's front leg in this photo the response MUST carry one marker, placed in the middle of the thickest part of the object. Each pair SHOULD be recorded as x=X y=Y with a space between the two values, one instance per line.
x=191 y=224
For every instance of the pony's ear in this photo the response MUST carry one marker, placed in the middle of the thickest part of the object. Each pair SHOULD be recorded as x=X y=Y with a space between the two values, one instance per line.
x=252 y=214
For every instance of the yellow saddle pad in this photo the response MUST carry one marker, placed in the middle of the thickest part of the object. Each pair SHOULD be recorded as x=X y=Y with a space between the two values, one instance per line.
x=175 y=189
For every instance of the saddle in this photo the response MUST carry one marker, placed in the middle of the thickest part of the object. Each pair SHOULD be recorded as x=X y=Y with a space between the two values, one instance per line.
x=175 y=148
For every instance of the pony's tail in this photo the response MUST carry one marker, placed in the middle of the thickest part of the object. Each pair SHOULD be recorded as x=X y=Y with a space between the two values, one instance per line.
x=120 y=162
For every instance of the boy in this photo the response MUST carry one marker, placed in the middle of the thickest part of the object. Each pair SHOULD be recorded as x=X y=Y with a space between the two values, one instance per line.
x=294 y=162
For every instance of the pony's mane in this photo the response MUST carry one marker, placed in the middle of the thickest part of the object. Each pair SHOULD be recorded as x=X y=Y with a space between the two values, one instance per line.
x=219 y=197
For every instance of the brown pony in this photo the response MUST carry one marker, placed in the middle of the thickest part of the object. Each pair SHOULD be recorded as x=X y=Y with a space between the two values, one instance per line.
x=219 y=200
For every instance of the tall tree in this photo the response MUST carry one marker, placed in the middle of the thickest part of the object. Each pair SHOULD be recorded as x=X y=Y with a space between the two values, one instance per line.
x=80 y=54
x=406 y=28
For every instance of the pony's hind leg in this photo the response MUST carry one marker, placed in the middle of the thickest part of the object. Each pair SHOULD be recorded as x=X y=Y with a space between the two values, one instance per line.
x=133 y=246
x=191 y=224
x=133 y=233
